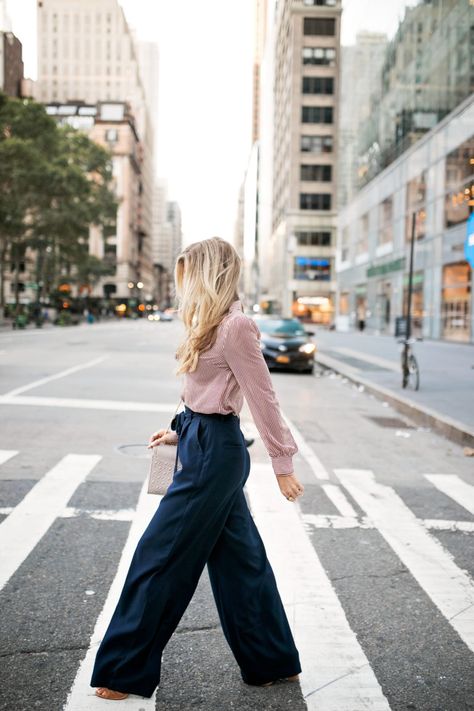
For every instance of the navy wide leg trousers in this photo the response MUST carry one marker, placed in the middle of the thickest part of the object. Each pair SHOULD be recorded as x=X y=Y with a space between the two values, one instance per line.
x=202 y=519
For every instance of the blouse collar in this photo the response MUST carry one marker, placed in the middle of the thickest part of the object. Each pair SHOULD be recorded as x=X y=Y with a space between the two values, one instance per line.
x=236 y=305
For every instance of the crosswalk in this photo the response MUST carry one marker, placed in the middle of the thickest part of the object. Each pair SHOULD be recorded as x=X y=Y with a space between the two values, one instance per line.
x=339 y=673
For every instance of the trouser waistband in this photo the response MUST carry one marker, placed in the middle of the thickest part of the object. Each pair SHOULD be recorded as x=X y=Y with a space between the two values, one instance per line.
x=218 y=415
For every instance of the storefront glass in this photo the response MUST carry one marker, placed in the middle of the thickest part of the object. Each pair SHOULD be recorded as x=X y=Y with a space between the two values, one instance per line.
x=456 y=302
x=459 y=199
x=417 y=303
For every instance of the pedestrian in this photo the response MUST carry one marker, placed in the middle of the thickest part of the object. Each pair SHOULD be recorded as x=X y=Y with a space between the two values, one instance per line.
x=203 y=518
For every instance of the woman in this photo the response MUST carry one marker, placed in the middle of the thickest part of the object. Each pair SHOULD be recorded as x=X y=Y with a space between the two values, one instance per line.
x=203 y=517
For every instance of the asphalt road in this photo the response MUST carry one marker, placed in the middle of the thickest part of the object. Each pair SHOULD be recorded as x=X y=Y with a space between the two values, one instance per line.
x=374 y=564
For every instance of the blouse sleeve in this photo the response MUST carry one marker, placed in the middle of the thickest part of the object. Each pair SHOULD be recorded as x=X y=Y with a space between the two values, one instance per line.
x=244 y=356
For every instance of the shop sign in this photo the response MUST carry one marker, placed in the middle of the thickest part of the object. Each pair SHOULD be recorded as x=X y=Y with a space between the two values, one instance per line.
x=469 y=242
x=394 y=266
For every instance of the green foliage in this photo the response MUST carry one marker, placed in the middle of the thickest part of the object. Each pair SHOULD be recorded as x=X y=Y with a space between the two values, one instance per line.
x=54 y=183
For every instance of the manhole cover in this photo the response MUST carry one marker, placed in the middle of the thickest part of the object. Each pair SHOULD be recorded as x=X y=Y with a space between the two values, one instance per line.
x=391 y=422
x=139 y=451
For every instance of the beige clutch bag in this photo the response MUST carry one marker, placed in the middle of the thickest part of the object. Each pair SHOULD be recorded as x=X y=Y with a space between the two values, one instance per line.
x=164 y=462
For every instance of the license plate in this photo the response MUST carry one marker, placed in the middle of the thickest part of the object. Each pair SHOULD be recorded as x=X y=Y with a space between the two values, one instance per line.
x=282 y=359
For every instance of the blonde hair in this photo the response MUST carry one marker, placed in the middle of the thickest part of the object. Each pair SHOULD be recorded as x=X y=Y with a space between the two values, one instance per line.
x=206 y=277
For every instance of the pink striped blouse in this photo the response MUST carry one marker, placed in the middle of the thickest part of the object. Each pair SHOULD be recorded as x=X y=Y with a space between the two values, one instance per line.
x=232 y=368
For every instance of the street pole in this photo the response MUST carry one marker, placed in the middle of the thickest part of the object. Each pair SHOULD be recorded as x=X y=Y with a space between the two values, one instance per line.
x=410 y=275
x=409 y=299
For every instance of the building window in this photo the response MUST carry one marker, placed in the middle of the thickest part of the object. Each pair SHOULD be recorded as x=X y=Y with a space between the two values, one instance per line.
x=111 y=135
x=318 y=85
x=362 y=238
x=324 y=3
x=324 y=56
x=416 y=202
x=317 y=114
x=315 y=201
x=385 y=234
x=313 y=239
x=316 y=144
x=345 y=244
x=322 y=173
x=312 y=269
x=459 y=184
x=324 y=26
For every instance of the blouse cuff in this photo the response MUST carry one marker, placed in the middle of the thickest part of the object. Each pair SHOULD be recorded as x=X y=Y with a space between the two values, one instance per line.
x=282 y=465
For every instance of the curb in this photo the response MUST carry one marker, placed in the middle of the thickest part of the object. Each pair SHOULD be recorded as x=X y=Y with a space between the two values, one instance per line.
x=452 y=429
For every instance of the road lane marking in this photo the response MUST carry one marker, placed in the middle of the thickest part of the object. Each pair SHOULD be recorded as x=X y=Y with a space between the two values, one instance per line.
x=317 y=467
x=100 y=514
x=336 y=675
x=454 y=487
x=29 y=521
x=338 y=498
x=450 y=588
x=82 y=696
x=83 y=404
x=6 y=454
x=331 y=521
x=56 y=376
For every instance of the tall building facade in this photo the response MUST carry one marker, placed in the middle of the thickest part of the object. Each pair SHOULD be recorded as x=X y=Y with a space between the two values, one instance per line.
x=416 y=160
x=427 y=71
x=11 y=64
x=433 y=179
x=360 y=72
x=169 y=242
x=86 y=53
x=304 y=161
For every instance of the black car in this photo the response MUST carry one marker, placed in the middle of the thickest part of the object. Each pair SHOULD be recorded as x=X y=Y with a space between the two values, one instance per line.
x=286 y=344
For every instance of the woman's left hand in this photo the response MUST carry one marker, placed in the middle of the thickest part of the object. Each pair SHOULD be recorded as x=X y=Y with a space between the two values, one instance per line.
x=290 y=487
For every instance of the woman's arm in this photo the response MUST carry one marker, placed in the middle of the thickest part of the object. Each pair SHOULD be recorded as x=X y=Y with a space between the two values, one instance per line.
x=244 y=356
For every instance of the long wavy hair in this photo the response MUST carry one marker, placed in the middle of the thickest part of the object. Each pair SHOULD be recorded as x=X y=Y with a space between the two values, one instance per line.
x=206 y=277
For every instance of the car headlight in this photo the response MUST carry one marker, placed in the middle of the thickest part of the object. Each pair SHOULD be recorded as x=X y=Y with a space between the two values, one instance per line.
x=307 y=348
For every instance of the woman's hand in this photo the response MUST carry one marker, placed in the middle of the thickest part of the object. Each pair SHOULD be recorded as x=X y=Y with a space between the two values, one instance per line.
x=290 y=487
x=162 y=437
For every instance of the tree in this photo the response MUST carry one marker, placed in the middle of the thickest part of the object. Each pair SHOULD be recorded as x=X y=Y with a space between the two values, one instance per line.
x=54 y=184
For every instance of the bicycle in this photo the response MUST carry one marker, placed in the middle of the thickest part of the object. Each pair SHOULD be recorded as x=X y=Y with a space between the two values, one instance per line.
x=410 y=369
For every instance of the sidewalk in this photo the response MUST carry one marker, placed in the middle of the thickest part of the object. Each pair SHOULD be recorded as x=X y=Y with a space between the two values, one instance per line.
x=445 y=400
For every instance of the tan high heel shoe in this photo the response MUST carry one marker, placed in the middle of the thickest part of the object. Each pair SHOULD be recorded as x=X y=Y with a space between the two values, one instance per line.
x=103 y=693
x=286 y=678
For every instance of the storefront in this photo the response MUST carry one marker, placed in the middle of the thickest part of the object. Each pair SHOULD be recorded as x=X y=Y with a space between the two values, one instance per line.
x=316 y=309
x=456 y=302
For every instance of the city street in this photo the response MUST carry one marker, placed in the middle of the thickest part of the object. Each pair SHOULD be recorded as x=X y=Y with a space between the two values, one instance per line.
x=446 y=371
x=374 y=563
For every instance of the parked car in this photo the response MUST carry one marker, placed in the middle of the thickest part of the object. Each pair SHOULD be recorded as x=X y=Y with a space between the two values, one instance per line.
x=286 y=343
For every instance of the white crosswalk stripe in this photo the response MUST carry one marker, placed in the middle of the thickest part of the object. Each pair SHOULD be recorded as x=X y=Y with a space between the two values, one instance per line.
x=6 y=454
x=454 y=487
x=82 y=696
x=337 y=675
x=29 y=521
x=449 y=587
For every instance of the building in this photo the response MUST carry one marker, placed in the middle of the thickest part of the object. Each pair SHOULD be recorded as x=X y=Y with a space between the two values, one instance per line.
x=112 y=125
x=304 y=158
x=86 y=53
x=247 y=218
x=360 y=71
x=168 y=242
x=11 y=64
x=418 y=86
x=433 y=179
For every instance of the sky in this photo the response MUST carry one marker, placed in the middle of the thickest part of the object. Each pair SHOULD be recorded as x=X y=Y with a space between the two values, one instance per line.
x=203 y=125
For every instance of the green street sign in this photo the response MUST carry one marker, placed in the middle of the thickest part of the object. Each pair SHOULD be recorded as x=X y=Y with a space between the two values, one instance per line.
x=31 y=285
